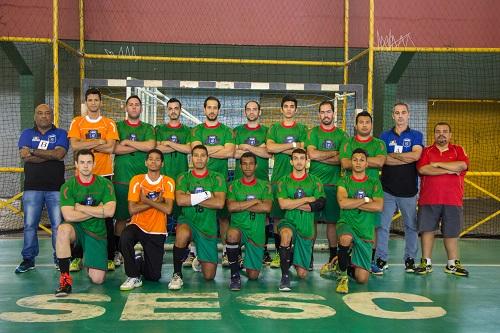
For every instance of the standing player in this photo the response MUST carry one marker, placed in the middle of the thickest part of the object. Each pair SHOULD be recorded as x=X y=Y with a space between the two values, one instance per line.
x=151 y=198
x=136 y=139
x=249 y=199
x=360 y=197
x=42 y=149
x=300 y=195
x=200 y=193
x=86 y=200
x=377 y=153
x=323 y=145
x=99 y=134
x=251 y=137
x=219 y=141
x=173 y=140
x=399 y=181
x=282 y=139
x=442 y=167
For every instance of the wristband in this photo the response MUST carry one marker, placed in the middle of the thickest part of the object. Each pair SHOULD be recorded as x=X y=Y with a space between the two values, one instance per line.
x=367 y=200
x=197 y=198
x=294 y=144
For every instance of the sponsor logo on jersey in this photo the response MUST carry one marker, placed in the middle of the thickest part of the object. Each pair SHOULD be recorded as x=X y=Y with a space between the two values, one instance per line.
x=36 y=138
x=289 y=139
x=250 y=197
x=328 y=144
x=360 y=194
x=88 y=201
x=52 y=138
x=252 y=141
x=153 y=195
x=299 y=193
x=212 y=140
x=93 y=134
x=132 y=137
x=174 y=138
x=198 y=189
x=407 y=142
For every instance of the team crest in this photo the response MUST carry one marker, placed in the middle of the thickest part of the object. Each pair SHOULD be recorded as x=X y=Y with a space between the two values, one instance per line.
x=132 y=137
x=36 y=138
x=153 y=195
x=174 y=138
x=299 y=193
x=52 y=138
x=289 y=139
x=89 y=201
x=360 y=194
x=328 y=144
x=250 y=197
x=212 y=140
x=93 y=134
x=251 y=141
x=198 y=189
x=407 y=143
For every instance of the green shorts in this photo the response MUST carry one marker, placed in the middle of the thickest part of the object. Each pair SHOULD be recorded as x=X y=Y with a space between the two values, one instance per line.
x=95 y=250
x=121 y=212
x=302 y=246
x=206 y=246
x=254 y=254
x=361 y=255
x=276 y=211
x=331 y=212
x=376 y=220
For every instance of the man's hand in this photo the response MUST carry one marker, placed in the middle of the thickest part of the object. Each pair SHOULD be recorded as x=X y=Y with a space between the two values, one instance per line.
x=25 y=152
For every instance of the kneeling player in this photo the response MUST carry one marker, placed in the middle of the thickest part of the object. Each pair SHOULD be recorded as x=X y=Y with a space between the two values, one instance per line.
x=300 y=195
x=200 y=194
x=360 y=199
x=86 y=200
x=248 y=200
x=150 y=199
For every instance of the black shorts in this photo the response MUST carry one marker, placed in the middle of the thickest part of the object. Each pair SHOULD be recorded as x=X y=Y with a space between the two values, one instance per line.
x=450 y=219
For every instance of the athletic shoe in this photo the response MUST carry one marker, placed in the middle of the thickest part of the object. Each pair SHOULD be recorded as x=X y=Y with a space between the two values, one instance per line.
x=235 y=283
x=65 y=282
x=456 y=269
x=225 y=260
x=409 y=265
x=382 y=264
x=118 y=259
x=26 y=265
x=376 y=270
x=111 y=265
x=276 y=262
x=329 y=267
x=423 y=268
x=131 y=283
x=196 y=265
x=343 y=285
x=267 y=258
x=176 y=282
x=189 y=260
x=285 y=283
x=75 y=265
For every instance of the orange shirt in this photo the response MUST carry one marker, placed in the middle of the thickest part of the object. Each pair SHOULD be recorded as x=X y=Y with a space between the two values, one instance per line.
x=151 y=221
x=88 y=129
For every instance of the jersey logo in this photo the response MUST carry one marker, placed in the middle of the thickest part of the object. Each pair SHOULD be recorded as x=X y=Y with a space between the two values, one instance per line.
x=132 y=137
x=289 y=139
x=250 y=197
x=251 y=141
x=328 y=144
x=198 y=189
x=174 y=138
x=153 y=195
x=212 y=140
x=52 y=138
x=407 y=143
x=360 y=194
x=299 y=193
x=36 y=138
x=93 y=134
x=88 y=201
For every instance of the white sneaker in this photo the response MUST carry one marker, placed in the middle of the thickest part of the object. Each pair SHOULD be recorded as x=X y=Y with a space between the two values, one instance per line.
x=131 y=283
x=225 y=260
x=196 y=265
x=176 y=282
x=189 y=260
x=118 y=259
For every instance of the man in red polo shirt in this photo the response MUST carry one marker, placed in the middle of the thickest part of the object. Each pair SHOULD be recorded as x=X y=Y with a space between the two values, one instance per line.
x=442 y=168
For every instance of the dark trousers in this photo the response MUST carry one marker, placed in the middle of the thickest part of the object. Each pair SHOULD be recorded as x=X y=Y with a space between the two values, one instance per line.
x=152 y=245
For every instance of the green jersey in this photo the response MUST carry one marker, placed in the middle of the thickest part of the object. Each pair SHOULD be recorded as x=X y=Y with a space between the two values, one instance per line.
x=280 y=133
x=290 y=187
x=361 y=221
x=253 y=137
x=216 y=135
x=253 y=223
x=201 y=218
x=99 y=190
x=372 y=146
x=325 y=140
x=174 y=163
x=129 y=165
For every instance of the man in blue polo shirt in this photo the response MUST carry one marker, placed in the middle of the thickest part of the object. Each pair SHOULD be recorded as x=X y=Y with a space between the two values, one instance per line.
x=42 y=149
x=399 y=182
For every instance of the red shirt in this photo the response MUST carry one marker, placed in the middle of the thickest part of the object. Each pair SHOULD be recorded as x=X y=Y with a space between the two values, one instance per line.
x=442 y=189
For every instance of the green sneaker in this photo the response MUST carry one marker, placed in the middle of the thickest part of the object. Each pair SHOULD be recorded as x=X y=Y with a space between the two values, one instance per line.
x=343 y=284
x=276 y=262
x=75 y=265
x=423 y=268
x=456 y=269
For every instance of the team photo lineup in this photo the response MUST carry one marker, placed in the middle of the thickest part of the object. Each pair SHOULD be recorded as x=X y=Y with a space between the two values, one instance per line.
x=131 y=178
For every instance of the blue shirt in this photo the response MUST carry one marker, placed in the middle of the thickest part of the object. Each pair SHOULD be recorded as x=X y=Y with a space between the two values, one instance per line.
x=47 y=175
x=401 y=180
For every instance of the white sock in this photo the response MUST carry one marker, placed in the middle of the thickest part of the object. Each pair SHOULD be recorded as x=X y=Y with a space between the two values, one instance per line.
x=451 y=262
x=428 y=261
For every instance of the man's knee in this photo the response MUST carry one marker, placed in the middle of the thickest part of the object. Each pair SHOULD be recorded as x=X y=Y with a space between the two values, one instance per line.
x=345 y=240
x=233 y=235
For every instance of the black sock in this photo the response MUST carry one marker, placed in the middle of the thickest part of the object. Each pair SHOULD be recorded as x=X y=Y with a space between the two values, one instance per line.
x=64 y=264
x=233 y=250
x=178 y=258
x=333 y=252
x=351 y=270
x=343 y=257
x=76 y=252
x=285 y=259
x=277 y=242
x=117 y=242
x=373 y=254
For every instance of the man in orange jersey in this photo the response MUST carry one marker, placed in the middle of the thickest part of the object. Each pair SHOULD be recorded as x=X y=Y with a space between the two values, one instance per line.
x=150 y=199
x=99 y=134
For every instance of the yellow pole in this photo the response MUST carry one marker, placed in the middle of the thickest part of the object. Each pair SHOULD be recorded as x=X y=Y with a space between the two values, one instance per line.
x=475 y=226
x=357 y=56
x=439 y=49
x=369 y=102
x=82 y=44
x=25 y=40
x=55 y=55
x=346 y=58
x=481 y=189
